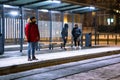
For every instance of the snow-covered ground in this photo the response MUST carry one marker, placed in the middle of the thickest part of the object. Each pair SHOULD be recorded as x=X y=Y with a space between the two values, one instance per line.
x=111 y=72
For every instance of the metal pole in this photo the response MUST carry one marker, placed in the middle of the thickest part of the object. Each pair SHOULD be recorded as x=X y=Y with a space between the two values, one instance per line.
x=72 y=28
x=72 y=20
x=37 y=18
x=62 y=19
x=115 y=39
x=21 y=40
x=108 y=39
x=0 y=25
x=95 y=25
x=81 y=31
x=50 y=38
x=98 y=38
x=3 y=30
x=37 y=15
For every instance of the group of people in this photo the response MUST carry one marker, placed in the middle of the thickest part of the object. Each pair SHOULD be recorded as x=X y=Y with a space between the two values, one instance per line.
x=76 y=36
x=33 y=36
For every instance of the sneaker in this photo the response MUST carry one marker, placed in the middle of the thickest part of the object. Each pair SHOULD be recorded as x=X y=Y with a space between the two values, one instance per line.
x=79 y=47
x=75 y=47
x=34 y=59
x=65 y=49
x=29 y=59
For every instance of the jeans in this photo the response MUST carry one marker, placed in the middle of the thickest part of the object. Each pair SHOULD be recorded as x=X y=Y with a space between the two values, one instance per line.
x=31 y=48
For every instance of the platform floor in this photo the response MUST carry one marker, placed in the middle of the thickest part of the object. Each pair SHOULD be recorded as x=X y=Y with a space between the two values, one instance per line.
x=15 y=61
x=16 y=58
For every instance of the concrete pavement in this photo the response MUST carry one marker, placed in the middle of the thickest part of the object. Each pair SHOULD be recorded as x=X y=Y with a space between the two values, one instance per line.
x=102 y=68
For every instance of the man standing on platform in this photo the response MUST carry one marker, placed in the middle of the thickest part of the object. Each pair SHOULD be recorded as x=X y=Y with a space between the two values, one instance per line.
x=76 y=34
x=33 y=36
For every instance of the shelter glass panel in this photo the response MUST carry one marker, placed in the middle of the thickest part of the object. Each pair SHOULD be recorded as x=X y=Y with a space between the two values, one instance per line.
x=12 y=24
x=44 y=26
x=56 y=26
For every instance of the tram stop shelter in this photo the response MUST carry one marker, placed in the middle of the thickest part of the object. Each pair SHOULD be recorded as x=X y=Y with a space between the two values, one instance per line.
x=63 y=6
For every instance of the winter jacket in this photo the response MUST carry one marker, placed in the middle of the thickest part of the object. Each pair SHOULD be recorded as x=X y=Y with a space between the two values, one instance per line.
x=32 y=32
x=64 y=32
x=76 y=32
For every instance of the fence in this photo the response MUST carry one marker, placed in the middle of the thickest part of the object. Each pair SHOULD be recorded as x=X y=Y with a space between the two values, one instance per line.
x=104 y=39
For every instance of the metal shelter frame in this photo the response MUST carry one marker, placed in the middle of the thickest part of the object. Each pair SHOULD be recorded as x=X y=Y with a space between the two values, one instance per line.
x=56 y=5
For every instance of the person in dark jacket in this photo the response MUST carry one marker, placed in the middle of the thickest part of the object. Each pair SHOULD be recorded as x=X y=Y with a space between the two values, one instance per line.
x=64 y=34
x=76 y=33
x=32 y=36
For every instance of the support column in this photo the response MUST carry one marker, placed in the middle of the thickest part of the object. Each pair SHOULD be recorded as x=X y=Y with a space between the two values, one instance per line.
x=62 y=19
x=37 y=18
x=50 y=38
x=72 y=28
x=73 y=20
x=95 y=26
x=21 y=32
x=2 y=38
x=81 y=20
x=37 y=15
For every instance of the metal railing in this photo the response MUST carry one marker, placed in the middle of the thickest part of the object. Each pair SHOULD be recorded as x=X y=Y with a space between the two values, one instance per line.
x=103 y=39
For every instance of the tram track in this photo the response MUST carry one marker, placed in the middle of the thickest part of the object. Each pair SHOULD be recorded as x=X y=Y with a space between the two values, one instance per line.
x=102 y=60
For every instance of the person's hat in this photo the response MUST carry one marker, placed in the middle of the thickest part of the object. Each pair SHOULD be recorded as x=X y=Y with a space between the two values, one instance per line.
x=32 y=17
x=76 y=24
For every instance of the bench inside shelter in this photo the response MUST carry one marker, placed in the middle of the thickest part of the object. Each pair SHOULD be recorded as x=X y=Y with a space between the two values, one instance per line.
x=47 y=45
x=52 y=45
